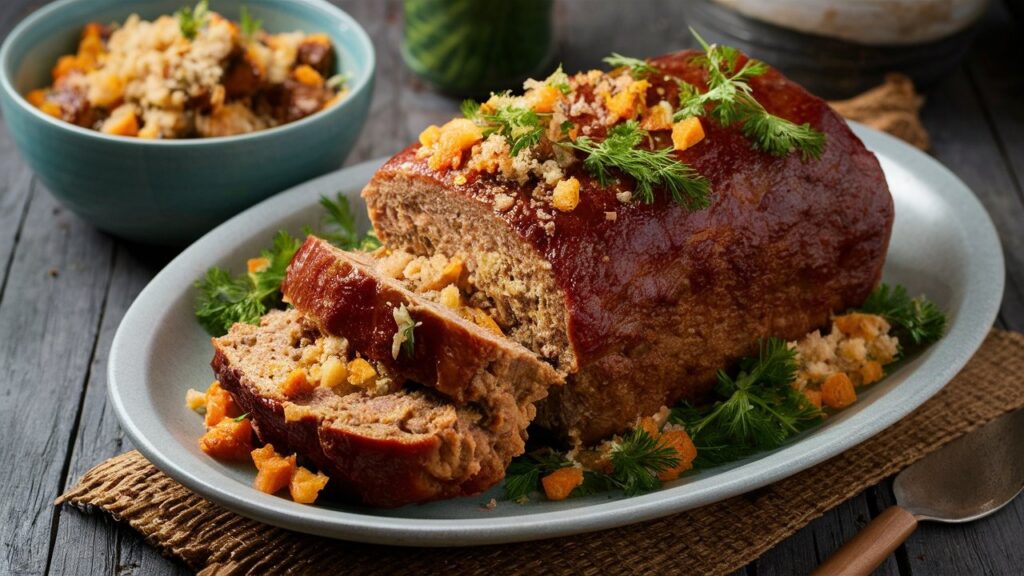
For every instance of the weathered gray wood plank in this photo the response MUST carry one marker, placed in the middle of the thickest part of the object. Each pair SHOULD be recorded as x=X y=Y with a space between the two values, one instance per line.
x=48 y=320
x=15 y=183
x=88 y=543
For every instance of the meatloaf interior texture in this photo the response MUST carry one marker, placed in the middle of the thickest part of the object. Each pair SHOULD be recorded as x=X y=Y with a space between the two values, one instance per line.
x=381 y=445
x=642 y=303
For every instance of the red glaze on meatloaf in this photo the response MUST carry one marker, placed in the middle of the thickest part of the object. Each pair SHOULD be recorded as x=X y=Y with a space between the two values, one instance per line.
x=657 y=298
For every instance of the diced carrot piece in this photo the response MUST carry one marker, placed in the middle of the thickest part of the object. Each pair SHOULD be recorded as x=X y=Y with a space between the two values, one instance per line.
x=64 y=65
x=647 y=424
x=254 y=265
x=566 y=195
x=450 y=274
x=305 y=486
x=121 y=125
x=228 y=440
x=679 y=441
x=813 y=396
x=274 y=471
x=361 y=373
x=455 y=137
x=542 y=98
x=296 y=384
x=560 y=483
x=430 y=135
x=305 y=74
x=871 y=372
x=657 y=117
x=484 y=320
x=318 y=38
x=837 y=391
x=53 y=109
x=859 y=325
x=36 y=97
x=687 y=132
x=219 y=405
x=629 y=102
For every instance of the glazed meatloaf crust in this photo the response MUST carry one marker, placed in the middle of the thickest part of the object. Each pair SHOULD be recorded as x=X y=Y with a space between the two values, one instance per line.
x=388 y=450
x=643 y=303
x=346 y=296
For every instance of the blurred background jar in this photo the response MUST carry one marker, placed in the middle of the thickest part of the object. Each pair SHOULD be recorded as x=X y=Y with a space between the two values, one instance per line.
x=838 y=48
x=474 y=47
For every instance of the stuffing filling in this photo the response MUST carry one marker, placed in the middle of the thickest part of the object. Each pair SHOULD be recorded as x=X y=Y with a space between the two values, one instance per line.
x=190 y=77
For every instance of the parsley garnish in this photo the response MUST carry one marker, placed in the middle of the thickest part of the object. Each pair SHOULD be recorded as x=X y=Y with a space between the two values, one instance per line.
x=757 y=410
x=249 y=25
x=637 y=459
x=649 y=168
x=559 y=80
x=242 y=417
x=223 y=300
x=915 y=320
x=521 y=126
x=733 y=103
x=190 y=20
x=637 y=68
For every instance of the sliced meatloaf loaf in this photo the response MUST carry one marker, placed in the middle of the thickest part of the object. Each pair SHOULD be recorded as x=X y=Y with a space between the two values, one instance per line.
x=643 y=302
x=346 y=295
x=381 y=445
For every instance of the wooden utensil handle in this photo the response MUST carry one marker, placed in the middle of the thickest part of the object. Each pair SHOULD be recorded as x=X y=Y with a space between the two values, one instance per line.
x=865 y=551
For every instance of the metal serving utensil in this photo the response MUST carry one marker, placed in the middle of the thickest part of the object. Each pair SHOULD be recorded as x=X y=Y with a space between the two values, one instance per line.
x=970 y=478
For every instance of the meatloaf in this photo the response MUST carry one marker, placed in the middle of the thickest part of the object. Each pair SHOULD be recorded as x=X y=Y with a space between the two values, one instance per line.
x=381 y=447
x=346 y=295
x=642 y=303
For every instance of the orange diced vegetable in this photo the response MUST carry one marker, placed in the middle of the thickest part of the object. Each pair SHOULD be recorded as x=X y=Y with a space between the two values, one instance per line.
x=305 y=486
x=274 y=471
x=228 y=440
x=687 y=132
x=560 y=483
x=542 y=98
x=484 y=320
x=430 y=135
x=837 y=391
x=296 y=384
x=629 y=101
x=450 y=274
x=859 y=325
x=125 y=124
x=813 y=396
x=361 y=373
x=455 y=137
x=679 y=441
x=305 y=74
x=319 y=38
x=647 y=424
x=254 y=265
x=219 y=405
x=36 y=97
x=657 y=117
x=871 y=372
x=566 y=195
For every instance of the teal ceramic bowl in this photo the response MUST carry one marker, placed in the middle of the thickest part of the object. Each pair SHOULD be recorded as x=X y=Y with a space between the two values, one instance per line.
x=172 y=191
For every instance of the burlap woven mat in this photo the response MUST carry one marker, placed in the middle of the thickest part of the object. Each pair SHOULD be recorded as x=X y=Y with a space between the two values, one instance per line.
x=715 y=539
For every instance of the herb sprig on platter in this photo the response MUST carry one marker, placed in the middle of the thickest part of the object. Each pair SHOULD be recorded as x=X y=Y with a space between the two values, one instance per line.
x=916 y=321
x=191 y=20
x=222 y=299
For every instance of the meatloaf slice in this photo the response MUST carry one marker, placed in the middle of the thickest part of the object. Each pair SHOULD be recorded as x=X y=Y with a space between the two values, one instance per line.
x=642 y=303
x=346 y=295
x=386 y=450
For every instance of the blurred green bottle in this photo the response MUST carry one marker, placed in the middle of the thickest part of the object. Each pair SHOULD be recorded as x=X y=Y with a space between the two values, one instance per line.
x=474 y=47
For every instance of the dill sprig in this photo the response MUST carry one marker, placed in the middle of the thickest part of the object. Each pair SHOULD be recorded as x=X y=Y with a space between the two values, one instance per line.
x=732 y=102
x=191 y=20
x=649 y=168
x=223 y=300
x=916 y=321
x=637 y=68
x=249 y=25
x=756 y=410
x=521 y=126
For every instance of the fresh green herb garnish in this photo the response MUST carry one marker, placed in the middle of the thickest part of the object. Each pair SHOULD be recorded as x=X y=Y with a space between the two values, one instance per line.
x=338 y=226
x=733 y=103
x=757 y=410
x=524 y=473
x=649 y=168
x=638 y=68
x=190 y=20
x=405 y=337
x=916 y=321
x=521 y=126
x=242 y=417
x=223 y=299
x=559 y=80
x=249 y=25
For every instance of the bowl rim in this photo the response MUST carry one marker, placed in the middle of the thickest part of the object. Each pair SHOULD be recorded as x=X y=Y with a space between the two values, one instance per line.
x=361 y=85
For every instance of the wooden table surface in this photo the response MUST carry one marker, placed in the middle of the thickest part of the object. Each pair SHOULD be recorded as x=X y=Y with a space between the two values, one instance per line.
x=65 y=286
